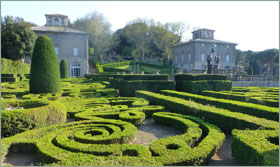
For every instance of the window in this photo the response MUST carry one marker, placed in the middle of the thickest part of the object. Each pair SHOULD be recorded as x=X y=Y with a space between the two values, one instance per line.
x=182 y=58
x=176 y=59
x=189 y=57
x=75 y=51
x=227 y=46
x=62 y=22
x=50 y=21
x=56 y=50
x=202 y=56
x=75 y=70
x=227 y=58
x=56 y=21
x=202 y=44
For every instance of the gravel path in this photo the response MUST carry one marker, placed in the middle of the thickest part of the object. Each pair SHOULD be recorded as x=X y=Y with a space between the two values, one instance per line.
x=149 y=131
x=26 y=159
x=223 y=156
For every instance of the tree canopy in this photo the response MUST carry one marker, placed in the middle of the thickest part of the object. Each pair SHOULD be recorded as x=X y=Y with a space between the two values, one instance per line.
x=17 y=40
x=99 y=29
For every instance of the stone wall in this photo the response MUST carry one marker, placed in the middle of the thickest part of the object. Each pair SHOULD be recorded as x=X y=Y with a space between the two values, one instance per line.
x=254 y=83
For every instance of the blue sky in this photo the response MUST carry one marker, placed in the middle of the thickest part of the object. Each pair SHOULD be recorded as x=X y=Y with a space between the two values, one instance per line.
x=254 y=25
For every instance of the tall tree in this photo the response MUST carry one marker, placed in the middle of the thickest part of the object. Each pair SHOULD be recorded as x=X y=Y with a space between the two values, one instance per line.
x=99 y=29
x=17 y=40
x=137 y=34
x=177 y=28
x=163 y=40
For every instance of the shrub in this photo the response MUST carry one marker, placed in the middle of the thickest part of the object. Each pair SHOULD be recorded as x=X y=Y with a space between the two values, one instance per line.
x=35 y=114
x=64 y=69
x=199 y=86
x=54 y=145
x=14 y=67
x=253 y=148
x=195 y=147
x=236 y=106
x=246 y=97
x=44 y=76
x=196 y=77
x=128 y=88
x=234 y=120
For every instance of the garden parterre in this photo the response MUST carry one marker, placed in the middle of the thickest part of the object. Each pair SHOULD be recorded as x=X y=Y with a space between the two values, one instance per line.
x=106 y=123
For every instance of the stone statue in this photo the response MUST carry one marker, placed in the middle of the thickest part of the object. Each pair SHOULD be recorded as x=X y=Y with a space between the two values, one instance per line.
x=213 y=60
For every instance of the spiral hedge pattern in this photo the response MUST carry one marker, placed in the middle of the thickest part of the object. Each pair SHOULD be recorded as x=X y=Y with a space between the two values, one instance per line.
x=105 y=142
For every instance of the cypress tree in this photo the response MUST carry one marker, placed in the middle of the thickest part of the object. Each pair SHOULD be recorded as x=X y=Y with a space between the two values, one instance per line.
x=64 y=69
x=44 y=73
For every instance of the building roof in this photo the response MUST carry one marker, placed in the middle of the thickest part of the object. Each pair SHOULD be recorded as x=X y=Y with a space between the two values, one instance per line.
x=203 y=29
x=56 y=29
x=205 y=40
x=59 y=15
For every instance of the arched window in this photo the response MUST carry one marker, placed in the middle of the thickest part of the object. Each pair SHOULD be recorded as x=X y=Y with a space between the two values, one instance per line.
x=50 y=21
x=56 y=21
x=75 y=70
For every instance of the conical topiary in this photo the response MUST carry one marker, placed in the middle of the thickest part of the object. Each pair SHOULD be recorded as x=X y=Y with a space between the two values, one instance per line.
x=44 y=73
x=64 y=69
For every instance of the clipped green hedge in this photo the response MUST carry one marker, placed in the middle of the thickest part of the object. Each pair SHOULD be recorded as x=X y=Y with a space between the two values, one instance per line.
x=14 y=67
x=106 y=77
x=254 y=148
x=44 y=73
x=128 y=88
x=242 y=97
x=197 y=77
x=42 y=96
x=64 y=69
x=9 y=79
x=225 y=119
x=257 y=110
x=195 y=147
x=34 y=115
x=199 y=86
x=225 y=95
x=74 y=106
x=134 y=116
x=54 y=145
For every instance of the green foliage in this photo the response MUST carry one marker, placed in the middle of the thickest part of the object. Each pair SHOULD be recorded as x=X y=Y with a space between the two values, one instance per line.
x=199 y=86
x=64 y=69
x=257 y=96
x=56 y=147
x=235 y=106
x=17 y=39
x=44 y=76
x=35 y=114
x=253 y=148
x=234 y=120
x=128 y=88
x=99 y=29
x=196 y=77
x=14 y=67
x=184 y=149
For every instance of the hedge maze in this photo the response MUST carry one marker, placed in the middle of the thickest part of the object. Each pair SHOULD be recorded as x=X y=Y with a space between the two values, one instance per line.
x=92 y=121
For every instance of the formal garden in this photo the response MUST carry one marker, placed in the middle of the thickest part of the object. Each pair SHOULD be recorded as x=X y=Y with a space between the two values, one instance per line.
x=98 y=120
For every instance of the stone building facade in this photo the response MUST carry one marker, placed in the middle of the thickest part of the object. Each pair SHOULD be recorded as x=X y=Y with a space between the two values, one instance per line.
x=191 y=56
x=69 y=44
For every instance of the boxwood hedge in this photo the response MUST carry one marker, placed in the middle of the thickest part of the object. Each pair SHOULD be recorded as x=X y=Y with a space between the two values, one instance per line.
x=35 y=114
x=225 y=119
x=257 y=110
x=256 y=148
x=105 y=142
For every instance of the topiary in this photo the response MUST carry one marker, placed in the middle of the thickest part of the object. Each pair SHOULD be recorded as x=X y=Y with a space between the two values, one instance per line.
x=44 y=74
x=64 y=69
